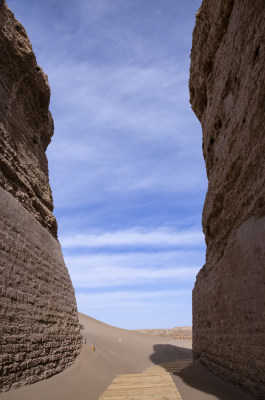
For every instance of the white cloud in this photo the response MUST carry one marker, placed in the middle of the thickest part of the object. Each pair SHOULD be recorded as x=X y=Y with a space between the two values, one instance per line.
x=136 y=237
x=122 y=128
x=134 y=268
x=106 y=276
x=134 y=259
x=146 y=99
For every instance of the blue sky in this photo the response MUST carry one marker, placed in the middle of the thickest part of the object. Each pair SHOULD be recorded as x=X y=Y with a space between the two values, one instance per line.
x=126 y=166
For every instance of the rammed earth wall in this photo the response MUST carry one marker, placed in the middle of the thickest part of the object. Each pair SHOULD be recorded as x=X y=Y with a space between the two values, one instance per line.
x=227 y=93
x=39 y=330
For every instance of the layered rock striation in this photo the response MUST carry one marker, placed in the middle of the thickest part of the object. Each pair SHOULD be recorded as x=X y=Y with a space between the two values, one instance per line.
x=39 y=330
x=227 y=93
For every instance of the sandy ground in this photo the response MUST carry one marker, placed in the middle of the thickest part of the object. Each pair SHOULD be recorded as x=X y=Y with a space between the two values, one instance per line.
x=119 y=351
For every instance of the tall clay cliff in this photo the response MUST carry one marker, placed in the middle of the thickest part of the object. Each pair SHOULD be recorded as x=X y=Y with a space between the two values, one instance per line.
x=39 y=331
x=227 y=93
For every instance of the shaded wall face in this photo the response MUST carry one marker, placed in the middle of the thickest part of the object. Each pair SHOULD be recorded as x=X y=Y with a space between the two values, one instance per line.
x=228 y=310
x=39 y=330
x=39 y=325
x=227 y=88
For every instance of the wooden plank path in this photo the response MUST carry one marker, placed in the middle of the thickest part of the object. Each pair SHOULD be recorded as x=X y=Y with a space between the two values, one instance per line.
x=154 y=383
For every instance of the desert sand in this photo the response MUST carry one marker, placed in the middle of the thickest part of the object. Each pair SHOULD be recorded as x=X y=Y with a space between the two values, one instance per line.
x=119 y=351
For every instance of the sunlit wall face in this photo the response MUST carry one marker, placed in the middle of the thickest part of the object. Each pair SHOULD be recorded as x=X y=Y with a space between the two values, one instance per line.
x=125 y=162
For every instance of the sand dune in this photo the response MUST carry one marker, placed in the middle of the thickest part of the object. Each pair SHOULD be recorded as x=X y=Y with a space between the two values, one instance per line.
x=177 y=331
x=119 y=351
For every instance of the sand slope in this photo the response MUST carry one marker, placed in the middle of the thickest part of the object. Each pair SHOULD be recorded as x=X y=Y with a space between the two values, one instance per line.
x=120 y=351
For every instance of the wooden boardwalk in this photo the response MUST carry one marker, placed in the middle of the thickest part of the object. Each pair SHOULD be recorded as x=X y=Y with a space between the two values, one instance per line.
x=154 y=383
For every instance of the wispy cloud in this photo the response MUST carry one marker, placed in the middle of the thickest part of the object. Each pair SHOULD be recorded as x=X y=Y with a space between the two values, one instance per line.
x=121 y=258
x=128 y=123
x=117 y=276
x=126 y=150
x=135 y=259
x=176 y=261
x=134 y=269
x=136 y=237
x=123 y=96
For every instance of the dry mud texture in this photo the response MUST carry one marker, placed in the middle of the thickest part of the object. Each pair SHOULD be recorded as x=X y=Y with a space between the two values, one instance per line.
x=39 y=330
x=227 y=93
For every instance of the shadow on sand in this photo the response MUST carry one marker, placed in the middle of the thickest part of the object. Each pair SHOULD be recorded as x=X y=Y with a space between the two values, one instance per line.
x=164 y=353
x=193 y=380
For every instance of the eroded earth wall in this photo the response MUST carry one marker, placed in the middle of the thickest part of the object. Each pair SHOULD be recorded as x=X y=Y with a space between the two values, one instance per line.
x=39 y=331
x=227 y=93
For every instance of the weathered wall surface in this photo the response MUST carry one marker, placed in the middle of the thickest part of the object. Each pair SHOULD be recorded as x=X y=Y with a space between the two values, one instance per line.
x=227 y=93
x=39 y=327
x=39 y=330
x=26 y=125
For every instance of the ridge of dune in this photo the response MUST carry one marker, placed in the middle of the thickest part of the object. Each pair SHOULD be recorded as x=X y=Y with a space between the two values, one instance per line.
x=176 y=331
